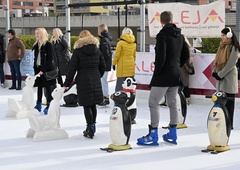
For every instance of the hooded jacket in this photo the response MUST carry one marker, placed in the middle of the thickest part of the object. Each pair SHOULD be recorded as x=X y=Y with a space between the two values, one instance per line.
x=88 y=62
x=105 y=48
x=171 y=52
x=125 y=56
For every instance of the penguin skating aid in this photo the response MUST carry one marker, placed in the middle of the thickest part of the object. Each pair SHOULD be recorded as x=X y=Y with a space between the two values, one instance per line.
x=182 y=110
x=218 y=124
x=129 y=87
x=119 y=124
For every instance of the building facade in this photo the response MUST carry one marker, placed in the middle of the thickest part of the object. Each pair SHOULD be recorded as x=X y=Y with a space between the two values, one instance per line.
x=19 y=8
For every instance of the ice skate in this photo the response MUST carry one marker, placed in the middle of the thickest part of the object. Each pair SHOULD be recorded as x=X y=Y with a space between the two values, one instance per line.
x=89 y=132
x=151 y=139
x=171 y=136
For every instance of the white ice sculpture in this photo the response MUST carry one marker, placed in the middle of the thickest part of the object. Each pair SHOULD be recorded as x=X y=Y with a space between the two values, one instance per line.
x=47 y=127
x=25 y=107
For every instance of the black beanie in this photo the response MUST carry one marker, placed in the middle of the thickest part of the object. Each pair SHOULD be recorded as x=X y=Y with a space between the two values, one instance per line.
x=225 y=31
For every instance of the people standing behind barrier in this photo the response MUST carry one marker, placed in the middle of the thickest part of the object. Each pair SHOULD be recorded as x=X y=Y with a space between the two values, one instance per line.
x=124 y=57
x=2 y=60
x=62 y=54
x=105 y=47
x=187 y=69
x=89 y=64
x=15 y=53
x=171 y=52
x=43 y=57
x=225 y=70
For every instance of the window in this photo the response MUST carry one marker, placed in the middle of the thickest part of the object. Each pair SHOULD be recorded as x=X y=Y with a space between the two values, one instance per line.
x=27 y=3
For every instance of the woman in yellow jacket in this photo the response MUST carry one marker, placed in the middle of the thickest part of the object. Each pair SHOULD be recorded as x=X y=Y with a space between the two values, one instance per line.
x=124 y=57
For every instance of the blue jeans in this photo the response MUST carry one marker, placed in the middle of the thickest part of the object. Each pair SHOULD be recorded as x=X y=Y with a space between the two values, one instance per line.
x=2 y=76
x=104 y=83
x=15 y=72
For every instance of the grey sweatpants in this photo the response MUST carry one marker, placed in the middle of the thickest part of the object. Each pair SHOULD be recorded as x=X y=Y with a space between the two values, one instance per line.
x=156 y=94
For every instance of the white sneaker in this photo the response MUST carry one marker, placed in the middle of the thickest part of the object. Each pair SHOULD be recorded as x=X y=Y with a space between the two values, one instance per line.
x=3 y=85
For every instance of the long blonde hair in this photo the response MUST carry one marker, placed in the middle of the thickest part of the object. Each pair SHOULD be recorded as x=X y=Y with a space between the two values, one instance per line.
x=101 y=28
x=43 y=36
x=85 y=33
x=58 y=35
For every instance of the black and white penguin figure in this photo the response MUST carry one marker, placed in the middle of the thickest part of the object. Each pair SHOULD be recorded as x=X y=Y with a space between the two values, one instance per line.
x=70 y=96
x=218 y=124
x=119 y=123
x=129 y=87
x=181 y=109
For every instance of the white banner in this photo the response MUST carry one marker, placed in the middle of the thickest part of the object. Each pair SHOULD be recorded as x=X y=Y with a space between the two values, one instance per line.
x=194 y=20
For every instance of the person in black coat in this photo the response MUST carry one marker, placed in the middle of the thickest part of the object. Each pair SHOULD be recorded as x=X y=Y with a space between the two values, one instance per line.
x=105 y=47
x=88 y=62
x=2 y=60
x=43 y=57
x=171 y=53
x=61 y=53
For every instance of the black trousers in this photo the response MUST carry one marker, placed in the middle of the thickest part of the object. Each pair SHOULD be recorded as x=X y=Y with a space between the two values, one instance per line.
x=186 y=92
x=48 y=92
x=230 y=105
x=90 y=113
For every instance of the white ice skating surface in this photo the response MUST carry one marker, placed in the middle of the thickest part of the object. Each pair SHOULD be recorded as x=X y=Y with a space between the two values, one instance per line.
x=77 y=152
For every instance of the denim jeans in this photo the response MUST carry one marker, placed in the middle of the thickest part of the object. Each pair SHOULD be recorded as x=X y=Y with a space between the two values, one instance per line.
x=2 y=76
x=104 y=83
x=15 y=72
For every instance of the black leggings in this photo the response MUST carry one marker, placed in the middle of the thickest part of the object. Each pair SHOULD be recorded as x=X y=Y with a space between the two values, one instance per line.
x=90 y=113
x=230 y=105
x=48 y=91
x=186 y=91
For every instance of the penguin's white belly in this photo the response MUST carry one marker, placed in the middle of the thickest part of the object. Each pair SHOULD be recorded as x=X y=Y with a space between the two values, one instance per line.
x=217 y=129
x=116 y=127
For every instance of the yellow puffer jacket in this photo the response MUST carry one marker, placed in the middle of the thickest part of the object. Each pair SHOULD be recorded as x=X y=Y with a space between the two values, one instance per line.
x=125 y=56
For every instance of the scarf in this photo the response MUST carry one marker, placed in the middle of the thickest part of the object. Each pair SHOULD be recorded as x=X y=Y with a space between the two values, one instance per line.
x=222 y=54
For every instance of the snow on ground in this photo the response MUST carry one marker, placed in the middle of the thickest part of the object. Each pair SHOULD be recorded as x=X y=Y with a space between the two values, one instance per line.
x=79 y=153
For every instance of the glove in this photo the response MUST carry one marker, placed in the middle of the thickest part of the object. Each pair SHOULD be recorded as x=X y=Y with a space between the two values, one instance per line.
x=215 y=75
x=114 y=68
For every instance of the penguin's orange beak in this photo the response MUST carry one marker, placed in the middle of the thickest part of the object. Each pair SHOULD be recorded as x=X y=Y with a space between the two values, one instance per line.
x=111 y=97
x=214 y=98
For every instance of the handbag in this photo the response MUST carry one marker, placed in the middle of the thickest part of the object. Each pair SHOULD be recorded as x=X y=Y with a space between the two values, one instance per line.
x=53 y=74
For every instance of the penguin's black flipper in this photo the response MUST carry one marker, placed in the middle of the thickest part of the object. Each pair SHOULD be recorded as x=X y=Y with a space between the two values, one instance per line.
x=206 y=150
x=110 y=150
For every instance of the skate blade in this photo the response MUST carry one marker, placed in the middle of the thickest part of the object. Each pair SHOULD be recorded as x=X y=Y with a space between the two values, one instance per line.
x=169 y=141
x=148 y=144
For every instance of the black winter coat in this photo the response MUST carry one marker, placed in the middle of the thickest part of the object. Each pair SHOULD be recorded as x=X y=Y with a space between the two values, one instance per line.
x=62 y=55
x=105 y=48
x=2 y=51
x=46 y=52
x=171 y=52
x=88 y=62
